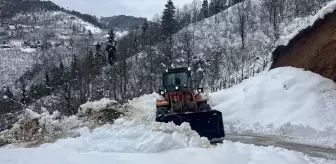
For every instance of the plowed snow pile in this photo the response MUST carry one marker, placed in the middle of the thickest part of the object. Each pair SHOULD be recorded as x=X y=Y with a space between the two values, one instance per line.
x=284 y=101
x=136 y=132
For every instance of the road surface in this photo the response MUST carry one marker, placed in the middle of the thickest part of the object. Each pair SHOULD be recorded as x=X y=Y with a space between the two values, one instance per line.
x=277 y=141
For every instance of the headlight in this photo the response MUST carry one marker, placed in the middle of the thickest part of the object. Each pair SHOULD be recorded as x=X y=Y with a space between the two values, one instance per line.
x=162 y=92
x=176 y=87
x=200 y=90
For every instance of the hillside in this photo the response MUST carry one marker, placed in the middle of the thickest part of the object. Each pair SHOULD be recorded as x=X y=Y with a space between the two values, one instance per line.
x=222 y=50
x=41 y=37
x=121 y=22
x=20 y=6
x=312 y=43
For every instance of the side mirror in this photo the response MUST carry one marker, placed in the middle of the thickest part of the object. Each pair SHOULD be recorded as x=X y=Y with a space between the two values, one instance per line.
x=162 y=92
x=200 y=90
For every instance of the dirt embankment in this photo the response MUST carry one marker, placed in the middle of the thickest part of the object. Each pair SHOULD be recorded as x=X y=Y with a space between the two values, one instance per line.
x=313 y=49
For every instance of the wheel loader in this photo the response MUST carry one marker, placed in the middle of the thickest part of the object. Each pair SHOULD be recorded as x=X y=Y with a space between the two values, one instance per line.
x=183 y=103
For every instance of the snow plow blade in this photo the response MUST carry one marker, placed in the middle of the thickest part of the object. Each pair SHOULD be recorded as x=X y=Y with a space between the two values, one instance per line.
x=207 y=124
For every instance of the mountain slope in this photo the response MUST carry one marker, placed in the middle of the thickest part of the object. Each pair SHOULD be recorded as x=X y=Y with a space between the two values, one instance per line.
x=41 y=39
x=122 y=22
x=222 y=50
x=21 y=6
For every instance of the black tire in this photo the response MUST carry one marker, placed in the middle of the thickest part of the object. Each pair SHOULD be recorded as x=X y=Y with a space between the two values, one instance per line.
x=204 y=107
x=162 y=111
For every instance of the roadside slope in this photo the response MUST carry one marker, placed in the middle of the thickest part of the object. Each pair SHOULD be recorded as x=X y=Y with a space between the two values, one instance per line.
x=284 y=101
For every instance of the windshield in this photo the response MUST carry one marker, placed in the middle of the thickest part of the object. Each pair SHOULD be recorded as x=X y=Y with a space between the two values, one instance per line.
x=173 y=80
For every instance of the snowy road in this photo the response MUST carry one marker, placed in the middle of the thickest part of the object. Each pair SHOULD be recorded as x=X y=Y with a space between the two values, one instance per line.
x=136 y=138
x=278 y=141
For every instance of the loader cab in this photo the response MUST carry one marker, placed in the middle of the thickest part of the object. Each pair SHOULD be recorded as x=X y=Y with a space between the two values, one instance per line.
x=177 y=79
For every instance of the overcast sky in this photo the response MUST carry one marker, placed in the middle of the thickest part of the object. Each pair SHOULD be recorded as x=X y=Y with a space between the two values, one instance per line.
x=139 y=8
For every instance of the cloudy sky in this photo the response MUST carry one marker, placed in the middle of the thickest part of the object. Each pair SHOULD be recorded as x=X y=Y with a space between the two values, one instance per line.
x=140 y=8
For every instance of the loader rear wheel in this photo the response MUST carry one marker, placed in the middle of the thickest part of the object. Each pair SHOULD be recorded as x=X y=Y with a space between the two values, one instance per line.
x=204 y=107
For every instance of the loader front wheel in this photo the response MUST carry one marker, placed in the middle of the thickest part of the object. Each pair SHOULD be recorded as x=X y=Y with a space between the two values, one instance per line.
x=161 y=111
x=204 y=107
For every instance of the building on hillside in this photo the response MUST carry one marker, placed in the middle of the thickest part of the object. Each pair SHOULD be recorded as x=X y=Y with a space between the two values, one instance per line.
x=313 y=48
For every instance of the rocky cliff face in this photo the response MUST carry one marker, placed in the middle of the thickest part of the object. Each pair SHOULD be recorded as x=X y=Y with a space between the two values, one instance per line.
x=313 y=49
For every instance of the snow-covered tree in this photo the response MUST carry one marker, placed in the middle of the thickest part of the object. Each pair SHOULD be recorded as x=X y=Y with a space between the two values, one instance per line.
x=111 y=48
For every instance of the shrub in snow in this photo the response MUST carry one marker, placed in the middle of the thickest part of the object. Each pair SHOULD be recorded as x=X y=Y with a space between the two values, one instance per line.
x=7 y=120
x=101 y=112
x=33 y=126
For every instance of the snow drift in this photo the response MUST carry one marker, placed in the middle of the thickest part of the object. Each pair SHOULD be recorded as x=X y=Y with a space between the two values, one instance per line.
x=284 y=101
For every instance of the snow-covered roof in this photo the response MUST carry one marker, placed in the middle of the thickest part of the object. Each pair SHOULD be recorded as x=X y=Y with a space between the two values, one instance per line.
x=304 y=28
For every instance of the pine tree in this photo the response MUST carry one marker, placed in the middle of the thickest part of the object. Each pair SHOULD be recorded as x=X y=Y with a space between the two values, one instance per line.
x=47 y=80
x=8 y=93
x=168 y=19
x=168 y=24
x=205 y=9
x=74 y=69
x=144 y=28
x=111 y=48
x=89 y=65
x=24 y=96
x=216 y=6
x=99 y=59
x=61 y=75
x=212 y=8
x=47 y=84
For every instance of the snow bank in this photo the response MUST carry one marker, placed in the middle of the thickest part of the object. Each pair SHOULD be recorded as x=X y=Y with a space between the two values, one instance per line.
x=329 y=8
x=287 y=101
x=232 y=153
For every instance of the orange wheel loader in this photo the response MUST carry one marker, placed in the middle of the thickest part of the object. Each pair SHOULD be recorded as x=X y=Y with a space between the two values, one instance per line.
x=183 y=103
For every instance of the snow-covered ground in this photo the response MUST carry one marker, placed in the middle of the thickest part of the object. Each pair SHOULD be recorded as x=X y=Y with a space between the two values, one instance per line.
x=285 y=101
x=136 y=138
x=233 y=153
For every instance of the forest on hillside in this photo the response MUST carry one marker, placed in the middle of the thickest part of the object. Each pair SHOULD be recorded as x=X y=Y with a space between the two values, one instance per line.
x=223 y=41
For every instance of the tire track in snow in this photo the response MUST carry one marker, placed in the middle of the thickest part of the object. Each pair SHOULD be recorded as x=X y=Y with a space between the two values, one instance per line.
x=277 y=141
